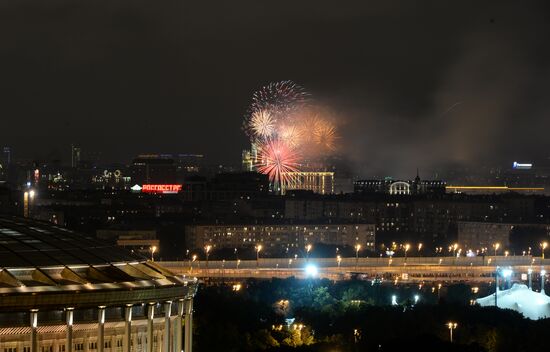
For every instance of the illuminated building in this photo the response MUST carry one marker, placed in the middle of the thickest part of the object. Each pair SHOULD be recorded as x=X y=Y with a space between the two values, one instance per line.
x=250 y=158
x=399 y=187
x=62 y=291
x=320 y=182
x=494 y=189
x=248 y=164
x=275 y=237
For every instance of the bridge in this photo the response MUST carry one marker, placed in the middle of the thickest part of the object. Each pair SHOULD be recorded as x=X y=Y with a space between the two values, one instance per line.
x=400 y=269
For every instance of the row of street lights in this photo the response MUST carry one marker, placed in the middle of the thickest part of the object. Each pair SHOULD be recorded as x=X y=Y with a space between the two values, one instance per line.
x=406 y=247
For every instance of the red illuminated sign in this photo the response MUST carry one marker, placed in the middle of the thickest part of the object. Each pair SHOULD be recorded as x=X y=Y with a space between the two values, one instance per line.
x=164 y=189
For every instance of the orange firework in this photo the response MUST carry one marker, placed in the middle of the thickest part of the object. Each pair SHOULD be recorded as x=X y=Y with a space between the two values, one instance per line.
x=291 y=135
x=324 y=135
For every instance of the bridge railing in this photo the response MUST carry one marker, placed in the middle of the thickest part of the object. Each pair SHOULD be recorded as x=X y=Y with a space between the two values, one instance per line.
x=352 y=262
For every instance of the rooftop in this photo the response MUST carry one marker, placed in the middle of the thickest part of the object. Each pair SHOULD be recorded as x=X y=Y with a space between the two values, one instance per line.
x=46 y=266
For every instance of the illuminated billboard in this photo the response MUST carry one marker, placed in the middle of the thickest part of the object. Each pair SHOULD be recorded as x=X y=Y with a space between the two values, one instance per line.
x=522 y=166
x=162 y=189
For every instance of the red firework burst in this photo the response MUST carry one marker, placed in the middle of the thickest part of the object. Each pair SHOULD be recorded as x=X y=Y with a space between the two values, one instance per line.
x=277 y=160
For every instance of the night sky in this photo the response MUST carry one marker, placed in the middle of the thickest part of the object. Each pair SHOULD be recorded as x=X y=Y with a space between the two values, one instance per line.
x=424 y=84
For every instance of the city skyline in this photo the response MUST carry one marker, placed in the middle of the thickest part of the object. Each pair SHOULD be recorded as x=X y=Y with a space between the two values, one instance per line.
x=462 y=88
x=286 y=175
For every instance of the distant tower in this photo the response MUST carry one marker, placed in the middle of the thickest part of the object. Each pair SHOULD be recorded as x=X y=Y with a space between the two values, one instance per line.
x=7 y=155
x=247 y=160
x=250 y=158
x=416 y=183
x=75 y=155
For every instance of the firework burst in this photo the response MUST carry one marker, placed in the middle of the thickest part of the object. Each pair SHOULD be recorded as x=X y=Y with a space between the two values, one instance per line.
x=279 y=97
x=277 y=160
x=262 y=124
x=291 y=135
x=282 y=120
x=325 y=135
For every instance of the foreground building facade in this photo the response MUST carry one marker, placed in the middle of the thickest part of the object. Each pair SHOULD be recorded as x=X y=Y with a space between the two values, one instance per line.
x=61 y=292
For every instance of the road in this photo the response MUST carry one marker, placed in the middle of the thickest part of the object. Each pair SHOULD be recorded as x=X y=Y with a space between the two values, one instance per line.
x=404 y=270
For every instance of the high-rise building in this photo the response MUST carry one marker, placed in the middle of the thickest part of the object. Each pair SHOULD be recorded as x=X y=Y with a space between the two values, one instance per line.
x=250 y=158
x=247 y=160
x=75 y=155
x=5 y=161
x=6 y=156
x=152 y=168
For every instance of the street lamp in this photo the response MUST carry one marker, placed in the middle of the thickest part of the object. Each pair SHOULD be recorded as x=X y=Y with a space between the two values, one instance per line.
x=451 y=327
x=543 y=245
x=308 y=248
x=339 y=260
x=258 y=249
x=26 y=204
x=419 y=248
x=496 y=246
x=153 y=250
x=357 y=248
x=356 y=335
x=191 y=263
x=406 y=248
x=207 y=249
